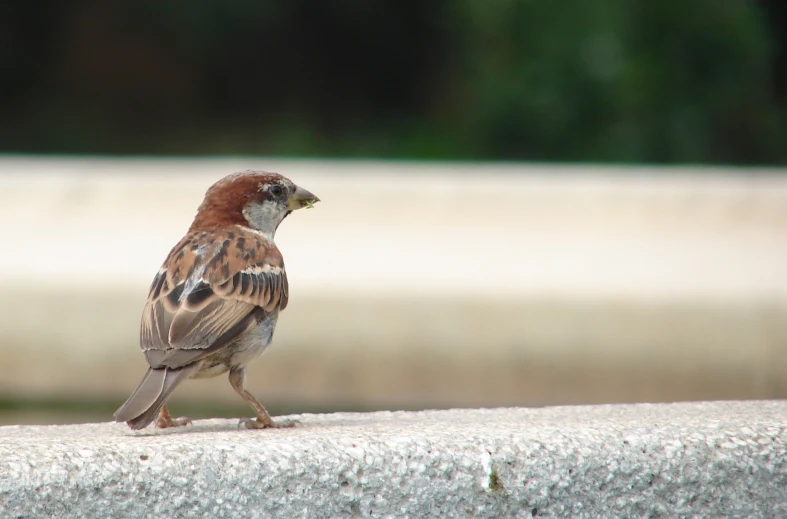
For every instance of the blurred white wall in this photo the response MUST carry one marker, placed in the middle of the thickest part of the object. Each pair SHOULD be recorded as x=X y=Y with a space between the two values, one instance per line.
x=419 y=284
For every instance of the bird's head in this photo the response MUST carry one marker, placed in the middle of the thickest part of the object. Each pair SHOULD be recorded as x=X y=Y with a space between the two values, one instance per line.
x=259 y=200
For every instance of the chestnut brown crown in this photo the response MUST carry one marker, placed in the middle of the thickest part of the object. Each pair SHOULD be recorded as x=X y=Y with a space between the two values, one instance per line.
x=230 y=200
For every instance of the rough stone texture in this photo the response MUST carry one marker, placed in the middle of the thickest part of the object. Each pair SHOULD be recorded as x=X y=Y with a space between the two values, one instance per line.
x=724 y=459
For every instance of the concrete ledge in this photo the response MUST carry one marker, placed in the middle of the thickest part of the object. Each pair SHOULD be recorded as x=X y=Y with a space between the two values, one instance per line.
x=668 y=460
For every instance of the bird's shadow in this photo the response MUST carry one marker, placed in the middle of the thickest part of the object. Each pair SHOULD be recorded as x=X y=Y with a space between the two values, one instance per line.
x=209 y=426
x=225 y=425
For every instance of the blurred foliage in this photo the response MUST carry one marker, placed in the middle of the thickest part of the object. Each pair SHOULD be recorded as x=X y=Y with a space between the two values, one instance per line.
x=579 y=80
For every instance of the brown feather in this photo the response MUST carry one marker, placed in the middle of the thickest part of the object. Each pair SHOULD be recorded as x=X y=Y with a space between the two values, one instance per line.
x=200 y=329
x=225 y=285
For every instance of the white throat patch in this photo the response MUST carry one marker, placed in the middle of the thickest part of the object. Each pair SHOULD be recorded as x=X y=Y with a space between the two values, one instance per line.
x=265 y=217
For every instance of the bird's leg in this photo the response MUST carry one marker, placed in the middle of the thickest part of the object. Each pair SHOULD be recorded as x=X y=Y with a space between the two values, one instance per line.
x=165 y=419
x=263 y=420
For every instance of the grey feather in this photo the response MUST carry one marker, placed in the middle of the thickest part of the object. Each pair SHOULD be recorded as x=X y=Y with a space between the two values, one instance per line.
x=143 y=405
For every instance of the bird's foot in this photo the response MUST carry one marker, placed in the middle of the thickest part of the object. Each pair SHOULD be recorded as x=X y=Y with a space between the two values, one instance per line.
x=164 y=422
x=268 y=423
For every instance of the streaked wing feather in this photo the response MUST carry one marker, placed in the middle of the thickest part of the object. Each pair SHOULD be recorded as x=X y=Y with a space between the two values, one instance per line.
x=210 y=289
x=201 y=328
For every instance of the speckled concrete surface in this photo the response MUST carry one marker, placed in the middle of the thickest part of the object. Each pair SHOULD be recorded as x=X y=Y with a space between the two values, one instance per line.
x=723 y=459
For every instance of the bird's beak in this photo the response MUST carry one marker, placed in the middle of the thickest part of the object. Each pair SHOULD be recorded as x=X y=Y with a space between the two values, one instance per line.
x=301 y=198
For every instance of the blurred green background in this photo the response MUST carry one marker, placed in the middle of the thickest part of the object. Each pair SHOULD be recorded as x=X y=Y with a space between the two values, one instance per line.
x=503 y=141
x=656 y=81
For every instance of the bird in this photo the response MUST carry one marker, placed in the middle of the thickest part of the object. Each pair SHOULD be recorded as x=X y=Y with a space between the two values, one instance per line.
x=213 y=305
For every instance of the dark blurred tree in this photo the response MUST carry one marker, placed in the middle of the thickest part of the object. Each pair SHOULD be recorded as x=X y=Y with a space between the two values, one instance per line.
x=657 y=81
x=582 y=80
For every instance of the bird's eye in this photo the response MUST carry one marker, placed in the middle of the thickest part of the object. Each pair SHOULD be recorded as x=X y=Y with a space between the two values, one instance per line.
x=275 y=190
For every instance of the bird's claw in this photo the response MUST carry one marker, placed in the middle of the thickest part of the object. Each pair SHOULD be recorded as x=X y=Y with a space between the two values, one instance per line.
x=256 y=423
x=164 y=423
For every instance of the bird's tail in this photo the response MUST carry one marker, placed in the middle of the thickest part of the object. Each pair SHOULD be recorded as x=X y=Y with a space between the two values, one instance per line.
x=143 y=405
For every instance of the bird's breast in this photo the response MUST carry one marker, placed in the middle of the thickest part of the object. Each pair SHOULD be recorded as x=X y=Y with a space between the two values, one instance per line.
x=240 y=352
x=254 y=342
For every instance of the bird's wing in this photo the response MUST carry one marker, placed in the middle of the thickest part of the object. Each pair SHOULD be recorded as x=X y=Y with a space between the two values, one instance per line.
x=212 y=287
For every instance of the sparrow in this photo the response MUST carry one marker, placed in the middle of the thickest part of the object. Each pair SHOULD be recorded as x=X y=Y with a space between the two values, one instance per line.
x=213 y=305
